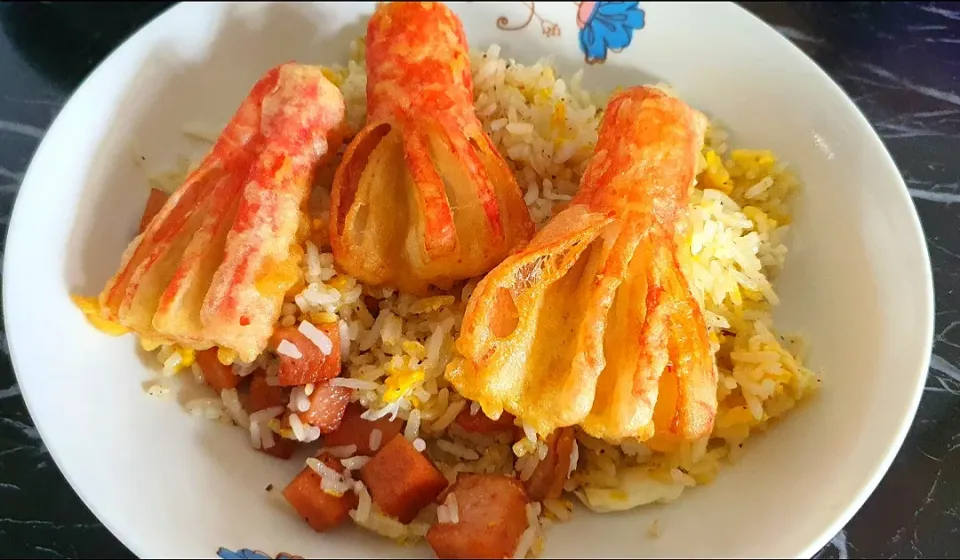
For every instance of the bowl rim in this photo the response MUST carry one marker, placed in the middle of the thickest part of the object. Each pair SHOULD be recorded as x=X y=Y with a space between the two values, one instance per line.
x=881 y=468
x=841 y=518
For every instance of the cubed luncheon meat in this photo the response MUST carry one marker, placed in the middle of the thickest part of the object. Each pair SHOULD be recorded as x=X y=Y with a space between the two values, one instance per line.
x=491 y=516
x=217 y=375
x=354 y=430
x=315 y=364
x=401 y=480
x=321 y=510
x=327 y=406
x=480 y=423
x=282 y=447
x=263 y=396
x=550 y=475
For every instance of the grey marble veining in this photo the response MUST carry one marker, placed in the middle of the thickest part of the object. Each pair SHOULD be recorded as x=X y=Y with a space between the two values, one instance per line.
x=899 y=62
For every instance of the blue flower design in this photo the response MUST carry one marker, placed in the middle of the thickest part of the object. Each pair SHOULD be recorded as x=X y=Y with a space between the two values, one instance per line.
x=608 y=26
x=247 y=554
x=242 y=554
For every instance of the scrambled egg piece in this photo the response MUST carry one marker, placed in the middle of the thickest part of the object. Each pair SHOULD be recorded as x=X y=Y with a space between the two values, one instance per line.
x=339 y=282
x=400 y=382
x=636 y=488
x=715 y=175
x=187 y=357
x=754 y=162
x=414 y=348
x=322 y=317
x=762 y=222
x=428 y=304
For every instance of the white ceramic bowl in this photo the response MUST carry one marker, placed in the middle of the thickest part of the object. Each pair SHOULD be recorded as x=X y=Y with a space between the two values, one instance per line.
x=857 y=281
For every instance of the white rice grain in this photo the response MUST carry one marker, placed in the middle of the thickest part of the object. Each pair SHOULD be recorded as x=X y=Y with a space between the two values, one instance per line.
x=205 y=407
x=340 y=451
x=527 y=465
x=457 y=450
x=172 y=364
x=376 y=436
x=311 y=433
x=448 y=416
x=412 y=430
x=364 y=503
x=243 y=370
x=354 y=463
x=542 y=450
x=334 y=486
x=318 y=296
x=297 y=426
x=381 y=524
x=231 y=401
x=419 y=445
x=497 y=124
x=266 y=438
x=452 y=507
x=289 y=349
x=558 y=508
x=344 y=338
x=314 y=267
x=359 y=384
x=197 y=372
x=392 y=328
x=319 y=468
x=443 y=516
x=389 y=410
x=520 y=128
x=368 y=338
x=317 y=337
x=331 y=481
x=574 y=458
x=759 y=188
x=159 y=391
x=255 y=439
x=267 y=414
x=299 y=401
x=525 y=542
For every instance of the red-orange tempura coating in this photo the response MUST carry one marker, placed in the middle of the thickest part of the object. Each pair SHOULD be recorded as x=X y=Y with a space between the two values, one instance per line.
x=593 y=323
x=212 y=267
x=422 y=197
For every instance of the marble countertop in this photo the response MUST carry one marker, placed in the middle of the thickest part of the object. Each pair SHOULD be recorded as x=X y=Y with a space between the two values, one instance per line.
x=900 y=62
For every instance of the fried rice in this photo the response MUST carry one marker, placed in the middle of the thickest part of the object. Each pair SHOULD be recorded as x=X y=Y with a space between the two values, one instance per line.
x=395 y=346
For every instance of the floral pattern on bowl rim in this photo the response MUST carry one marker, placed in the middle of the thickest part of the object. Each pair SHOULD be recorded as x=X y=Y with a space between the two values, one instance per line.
x=604 y=27
x=248 y=554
